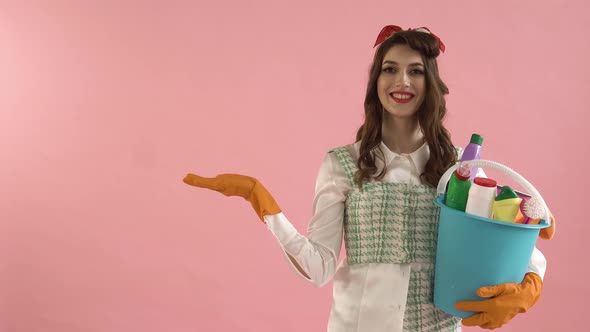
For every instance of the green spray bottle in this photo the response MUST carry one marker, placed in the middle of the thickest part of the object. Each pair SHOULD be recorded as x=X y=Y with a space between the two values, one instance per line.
x=458 y=189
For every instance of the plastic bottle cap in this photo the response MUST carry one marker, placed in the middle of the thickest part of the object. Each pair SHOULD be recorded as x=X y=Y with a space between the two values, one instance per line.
x=460 y=176
x=463 y=172
x=485 y=182
x=476 y=139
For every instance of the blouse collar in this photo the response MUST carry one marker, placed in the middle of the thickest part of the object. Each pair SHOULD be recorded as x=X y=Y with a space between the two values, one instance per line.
x=419 y=157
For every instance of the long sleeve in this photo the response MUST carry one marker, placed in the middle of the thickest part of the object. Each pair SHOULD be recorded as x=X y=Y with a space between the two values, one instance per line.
x=538 y=263
x=317 y=254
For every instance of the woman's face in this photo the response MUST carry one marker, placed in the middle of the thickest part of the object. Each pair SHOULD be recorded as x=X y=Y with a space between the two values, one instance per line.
x=401 y=85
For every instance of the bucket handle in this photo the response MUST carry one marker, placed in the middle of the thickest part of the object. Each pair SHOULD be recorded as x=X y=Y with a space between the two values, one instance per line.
x=442 y=184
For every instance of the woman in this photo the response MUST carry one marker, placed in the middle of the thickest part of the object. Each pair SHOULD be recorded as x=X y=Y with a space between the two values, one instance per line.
x=378 y=194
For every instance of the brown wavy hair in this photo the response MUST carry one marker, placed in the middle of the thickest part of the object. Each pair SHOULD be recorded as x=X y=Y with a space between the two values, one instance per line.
x=430 y=113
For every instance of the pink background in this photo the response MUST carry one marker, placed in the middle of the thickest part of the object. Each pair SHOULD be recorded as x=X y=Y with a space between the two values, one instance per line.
x=105 y=105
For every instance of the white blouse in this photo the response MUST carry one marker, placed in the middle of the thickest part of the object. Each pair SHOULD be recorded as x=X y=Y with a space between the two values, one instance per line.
x=371 y=289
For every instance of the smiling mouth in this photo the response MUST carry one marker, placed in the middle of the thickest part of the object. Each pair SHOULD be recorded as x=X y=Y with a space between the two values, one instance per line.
x=402 y=98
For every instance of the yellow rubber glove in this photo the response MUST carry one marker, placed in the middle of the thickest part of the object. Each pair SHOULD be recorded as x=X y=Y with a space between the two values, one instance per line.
x=239 y=185
x=507 y=300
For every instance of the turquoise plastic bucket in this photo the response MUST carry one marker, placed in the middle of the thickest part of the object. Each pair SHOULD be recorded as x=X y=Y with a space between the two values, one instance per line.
x=473 y=252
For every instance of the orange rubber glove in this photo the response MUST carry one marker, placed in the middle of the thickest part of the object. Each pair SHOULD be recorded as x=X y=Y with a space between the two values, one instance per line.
x=507 y=300
x=239 y=185
x=547 y=233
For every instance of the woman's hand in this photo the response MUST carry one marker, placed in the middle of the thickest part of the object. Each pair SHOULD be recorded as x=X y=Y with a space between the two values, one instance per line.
x=547 y=233
x=239 y=185
x=506 y=301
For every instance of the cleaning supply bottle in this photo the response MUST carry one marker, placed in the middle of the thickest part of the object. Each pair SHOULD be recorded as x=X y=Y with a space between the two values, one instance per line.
x=458 y=189
x=481 y=197
x=506 y=205
x=472 y=152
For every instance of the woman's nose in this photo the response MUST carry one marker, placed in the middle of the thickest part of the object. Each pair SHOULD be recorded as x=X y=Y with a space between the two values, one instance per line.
x=403 y=81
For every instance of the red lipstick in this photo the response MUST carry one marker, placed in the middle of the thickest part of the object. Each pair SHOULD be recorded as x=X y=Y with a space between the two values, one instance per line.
x=404 y=94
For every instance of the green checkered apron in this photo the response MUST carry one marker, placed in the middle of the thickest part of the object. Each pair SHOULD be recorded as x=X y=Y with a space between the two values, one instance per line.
x=396 y=223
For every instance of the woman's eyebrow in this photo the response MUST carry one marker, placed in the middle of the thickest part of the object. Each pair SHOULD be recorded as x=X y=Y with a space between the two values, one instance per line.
x=395 y=63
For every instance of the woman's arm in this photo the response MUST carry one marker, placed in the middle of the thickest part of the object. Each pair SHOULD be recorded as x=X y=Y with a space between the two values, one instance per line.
x=299 y=269
x=315 y=257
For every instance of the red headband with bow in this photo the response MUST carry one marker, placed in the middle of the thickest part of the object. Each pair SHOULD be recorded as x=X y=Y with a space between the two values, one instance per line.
x=389 y=30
